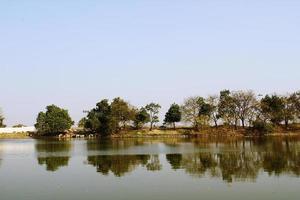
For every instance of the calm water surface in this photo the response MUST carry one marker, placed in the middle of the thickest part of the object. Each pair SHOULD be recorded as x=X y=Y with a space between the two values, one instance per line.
x=145 y=169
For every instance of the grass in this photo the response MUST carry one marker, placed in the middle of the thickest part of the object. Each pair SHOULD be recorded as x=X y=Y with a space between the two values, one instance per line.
x=14 y=136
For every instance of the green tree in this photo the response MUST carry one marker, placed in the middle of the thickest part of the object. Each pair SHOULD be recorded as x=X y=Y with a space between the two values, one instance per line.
x=92 y=122
x=54 y=121
x=141 y=118
x=173 y=115
x=122 y=113
x=272 y=108
x=213 y=101
x=103 y=117
x=1 y=119
x=205 y=111
x=108 y=118
x=290 y=111
x=82 y=122
x=153 y=110
x=19 y=126
x=227 y=109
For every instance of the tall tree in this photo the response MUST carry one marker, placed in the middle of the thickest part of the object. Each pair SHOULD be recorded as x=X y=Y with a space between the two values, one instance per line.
x=196 y=111
x=190 y=111
x=122 y=112
x=141 y=118
x=173 y=115
x=54 y=121
x=104 y=116
x=227 y=108
x=272 y=108
x=213 y=101
x=245 y=103
x=153 y=111
x=290 y=111
x=1 y=119
x=205 y=111
x=108 y=118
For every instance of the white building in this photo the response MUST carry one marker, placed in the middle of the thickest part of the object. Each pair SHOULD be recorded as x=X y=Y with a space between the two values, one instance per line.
x=18 y=130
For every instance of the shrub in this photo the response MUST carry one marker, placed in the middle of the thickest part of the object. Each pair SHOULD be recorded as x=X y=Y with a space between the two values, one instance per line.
x=262 y=127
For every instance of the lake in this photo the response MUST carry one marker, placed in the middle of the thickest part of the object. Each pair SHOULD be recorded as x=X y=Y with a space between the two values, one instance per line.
x=144 y=169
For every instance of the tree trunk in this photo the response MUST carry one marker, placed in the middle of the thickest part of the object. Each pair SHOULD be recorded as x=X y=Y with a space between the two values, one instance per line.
x=286 y=122
x=243 y=122
x=151 y=126
x=216 y=123
x=174 y=126
x=235 y=124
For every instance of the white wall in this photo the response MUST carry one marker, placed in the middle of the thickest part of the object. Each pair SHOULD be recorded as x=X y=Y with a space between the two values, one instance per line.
x=18 y=130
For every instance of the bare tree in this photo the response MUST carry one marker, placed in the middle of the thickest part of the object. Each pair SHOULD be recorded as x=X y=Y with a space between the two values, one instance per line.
x=245 y=103
x=213 y=101
x=190 y=111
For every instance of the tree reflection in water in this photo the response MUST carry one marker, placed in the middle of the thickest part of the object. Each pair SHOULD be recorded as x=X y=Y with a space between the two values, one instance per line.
x=119 y=165
x=54 y=154
x=230 y=160
x=244 y=162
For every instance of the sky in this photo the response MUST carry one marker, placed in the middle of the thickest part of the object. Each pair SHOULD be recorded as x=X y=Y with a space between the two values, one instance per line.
x=73 y=53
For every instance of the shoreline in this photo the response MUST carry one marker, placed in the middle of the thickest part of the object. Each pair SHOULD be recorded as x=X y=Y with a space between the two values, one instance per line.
x=154 y=134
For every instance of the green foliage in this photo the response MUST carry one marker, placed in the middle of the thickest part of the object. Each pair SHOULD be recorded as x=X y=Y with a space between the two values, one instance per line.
x=245 y=105
x=226 y=108
x=262 y=127
x=108 y=118
x=153 y=111
x=2 y=125
x=122 y=113
x=272 y=108
x=173 y=115
x=141 y=118
x=197 y=111
x=54 y=121
x=82 y=122
x=18 y=126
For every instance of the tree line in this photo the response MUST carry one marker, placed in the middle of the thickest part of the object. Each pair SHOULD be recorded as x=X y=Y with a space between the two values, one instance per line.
x=237 y=109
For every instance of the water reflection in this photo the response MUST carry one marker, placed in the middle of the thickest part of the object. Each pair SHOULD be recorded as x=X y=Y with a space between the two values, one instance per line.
x=53 y=154
x=230 y=160
x=120 y=164
x=244 y=162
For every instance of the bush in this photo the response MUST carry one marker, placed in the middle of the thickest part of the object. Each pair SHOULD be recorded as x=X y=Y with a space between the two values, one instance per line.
x=262 y=127
x=53 y=122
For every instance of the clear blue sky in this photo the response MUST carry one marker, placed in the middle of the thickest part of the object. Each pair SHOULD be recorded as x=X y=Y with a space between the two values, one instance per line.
x=74 y=53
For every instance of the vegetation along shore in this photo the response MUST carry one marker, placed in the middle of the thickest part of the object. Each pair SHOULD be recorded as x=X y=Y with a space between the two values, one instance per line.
x=238 y=113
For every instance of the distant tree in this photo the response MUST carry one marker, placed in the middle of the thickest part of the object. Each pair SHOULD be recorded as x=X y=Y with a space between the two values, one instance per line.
x=153 y=110
x=18 y=126
x=245 y=103
x=213 y=101
x=92 y=122
x=54 y=121
x=108 y=118
x=272 y=108
x=227 y=109
x=141 y=118
x=190 y=111
x=122 y=112
x=205 y=111
x=1 y=119
x=104 y=119
x=290 y=111
x=82 y=122
x=173 y=115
